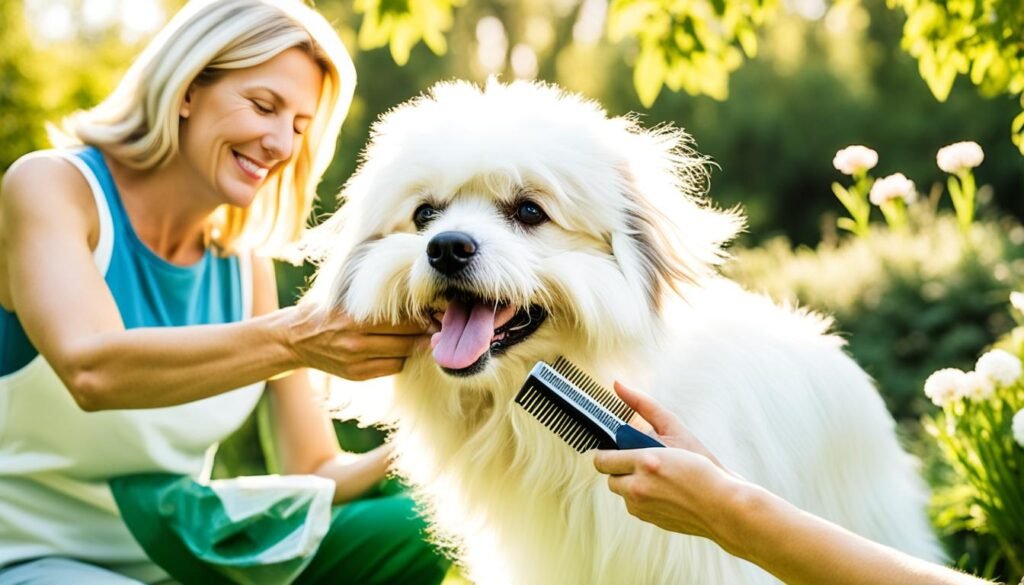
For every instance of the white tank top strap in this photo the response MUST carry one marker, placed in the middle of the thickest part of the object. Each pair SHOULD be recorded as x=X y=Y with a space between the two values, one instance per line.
x=245 y=274
x=105 y=246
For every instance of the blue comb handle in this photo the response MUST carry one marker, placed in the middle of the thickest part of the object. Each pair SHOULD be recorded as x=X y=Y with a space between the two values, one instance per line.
x=629 y=438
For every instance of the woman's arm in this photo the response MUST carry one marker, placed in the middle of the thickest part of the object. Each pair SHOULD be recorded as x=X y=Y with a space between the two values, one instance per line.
x=306 y=443
x=683 y=489
x=70 y=316
x=305 y=438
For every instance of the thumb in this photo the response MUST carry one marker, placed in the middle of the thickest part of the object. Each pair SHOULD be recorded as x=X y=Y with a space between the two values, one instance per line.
x=661 y=419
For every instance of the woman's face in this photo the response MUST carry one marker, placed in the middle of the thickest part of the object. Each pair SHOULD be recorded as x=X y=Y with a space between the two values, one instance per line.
x=247 y=123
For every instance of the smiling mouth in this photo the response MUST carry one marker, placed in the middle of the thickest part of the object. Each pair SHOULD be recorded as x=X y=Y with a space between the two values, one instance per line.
x=475 y=329
x=250 y=167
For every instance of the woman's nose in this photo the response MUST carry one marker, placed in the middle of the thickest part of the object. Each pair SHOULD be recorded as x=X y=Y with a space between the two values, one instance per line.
x=279 y=141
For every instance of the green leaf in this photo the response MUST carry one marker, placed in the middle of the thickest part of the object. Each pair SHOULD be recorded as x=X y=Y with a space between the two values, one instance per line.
x=843 y=195
x=1017 y=125
x=403 y=36
x=649 y=75
x=435 y=41
x=941 y=81
x=373 y=33
x=1017 y=132
x=847 y=224
x=626 y=17
x=983 y=60
x=748 y=41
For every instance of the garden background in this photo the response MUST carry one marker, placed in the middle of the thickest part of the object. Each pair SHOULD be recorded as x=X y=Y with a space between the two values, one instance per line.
x=769 y=90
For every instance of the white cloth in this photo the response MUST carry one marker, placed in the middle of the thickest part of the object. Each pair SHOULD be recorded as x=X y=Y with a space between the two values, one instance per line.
x=60 y=571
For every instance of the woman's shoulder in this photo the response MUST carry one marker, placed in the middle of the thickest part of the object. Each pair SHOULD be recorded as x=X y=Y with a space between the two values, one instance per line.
x=47 y=182
x=49 y=168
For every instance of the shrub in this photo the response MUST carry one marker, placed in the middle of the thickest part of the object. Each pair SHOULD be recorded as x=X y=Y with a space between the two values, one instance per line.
x=908 y=302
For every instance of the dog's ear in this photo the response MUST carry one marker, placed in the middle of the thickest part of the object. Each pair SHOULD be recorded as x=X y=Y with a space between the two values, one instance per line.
x=671 y=236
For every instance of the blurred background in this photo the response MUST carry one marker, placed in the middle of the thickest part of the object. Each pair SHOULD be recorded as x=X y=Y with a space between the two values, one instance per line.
x=769 y=90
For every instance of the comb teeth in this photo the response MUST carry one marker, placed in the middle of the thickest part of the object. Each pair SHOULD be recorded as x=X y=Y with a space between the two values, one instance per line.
x=551 y=415
x=534 y=397
x=602 y=395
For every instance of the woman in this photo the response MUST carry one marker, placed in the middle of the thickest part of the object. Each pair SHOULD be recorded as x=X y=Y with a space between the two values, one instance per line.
x=138 y=327
x=685 y=489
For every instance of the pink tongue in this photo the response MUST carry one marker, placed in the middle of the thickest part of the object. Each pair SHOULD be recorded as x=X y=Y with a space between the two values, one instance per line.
x=465 y=335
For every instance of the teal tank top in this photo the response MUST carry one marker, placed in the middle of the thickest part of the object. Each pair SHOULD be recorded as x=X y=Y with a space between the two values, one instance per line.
x=148 y=290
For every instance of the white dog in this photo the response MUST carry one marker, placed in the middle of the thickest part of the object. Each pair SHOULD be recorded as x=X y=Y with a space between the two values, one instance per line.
x=532 y=226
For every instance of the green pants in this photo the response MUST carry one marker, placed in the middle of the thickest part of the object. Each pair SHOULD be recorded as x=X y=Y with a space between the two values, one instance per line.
x=380 y=540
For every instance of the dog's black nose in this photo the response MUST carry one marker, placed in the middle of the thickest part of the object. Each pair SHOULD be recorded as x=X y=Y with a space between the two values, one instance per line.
x=450 y=252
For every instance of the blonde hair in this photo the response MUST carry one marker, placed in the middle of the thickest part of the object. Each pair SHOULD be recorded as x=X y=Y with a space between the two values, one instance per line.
x=138 y=123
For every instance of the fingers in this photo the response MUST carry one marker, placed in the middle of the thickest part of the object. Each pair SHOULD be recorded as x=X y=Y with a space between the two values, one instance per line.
x=405 y=328
x=386 y=346
x=663 y=421
x=374 y=368
x=615 y=462
x=618 y=484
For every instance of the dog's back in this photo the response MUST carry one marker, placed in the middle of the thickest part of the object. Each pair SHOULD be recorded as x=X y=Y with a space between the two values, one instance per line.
x=776 y=398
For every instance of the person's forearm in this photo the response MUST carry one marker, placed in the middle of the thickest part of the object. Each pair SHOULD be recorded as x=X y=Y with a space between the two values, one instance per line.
x=800 y=548
x=354 y=475
x=166 y=366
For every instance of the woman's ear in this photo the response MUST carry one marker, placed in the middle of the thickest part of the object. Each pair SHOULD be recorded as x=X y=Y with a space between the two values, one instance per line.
x=671 y=236
x=186 y=103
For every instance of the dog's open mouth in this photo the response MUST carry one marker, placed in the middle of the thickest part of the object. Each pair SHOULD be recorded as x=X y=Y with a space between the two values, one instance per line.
x=473 y=329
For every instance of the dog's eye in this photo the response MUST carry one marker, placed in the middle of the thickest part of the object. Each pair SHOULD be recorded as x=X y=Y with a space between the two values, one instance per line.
x=529 y=213
x=423 y=215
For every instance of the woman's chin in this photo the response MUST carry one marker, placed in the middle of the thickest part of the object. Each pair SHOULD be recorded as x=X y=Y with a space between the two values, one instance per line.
x=236 y=194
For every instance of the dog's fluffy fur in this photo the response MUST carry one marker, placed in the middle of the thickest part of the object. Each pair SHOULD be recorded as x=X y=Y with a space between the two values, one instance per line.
x=626 y=270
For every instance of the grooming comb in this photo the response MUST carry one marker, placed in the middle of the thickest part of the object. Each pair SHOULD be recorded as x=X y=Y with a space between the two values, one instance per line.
x=579 y=410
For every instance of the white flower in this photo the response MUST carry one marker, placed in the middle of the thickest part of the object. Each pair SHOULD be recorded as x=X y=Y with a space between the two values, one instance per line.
x=944 y=385
x=893 y=187
x=1001 y=366
x=855 y=159
x=959 y=156
x=1017 y=300
x=975 y=386
x=1018 y=427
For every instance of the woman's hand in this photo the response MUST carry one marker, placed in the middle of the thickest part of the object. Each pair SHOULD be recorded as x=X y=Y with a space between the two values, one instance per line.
x=337 y=344
x=682 y=489
x=685 y=489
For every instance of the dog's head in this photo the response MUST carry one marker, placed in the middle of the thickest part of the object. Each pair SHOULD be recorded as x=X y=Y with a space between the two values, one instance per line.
x=523 y=219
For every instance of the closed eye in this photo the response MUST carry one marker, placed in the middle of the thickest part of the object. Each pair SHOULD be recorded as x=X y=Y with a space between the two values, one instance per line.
x=261 y=108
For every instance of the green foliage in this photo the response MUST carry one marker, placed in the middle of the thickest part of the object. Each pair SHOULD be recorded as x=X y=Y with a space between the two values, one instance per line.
x=908 y=302
x=20 y=109
x=41 y=82
x=401 y=24
x=977 y=38
x=962 y=191
x=855 y=200
x=691 y=46
x=987 y=494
